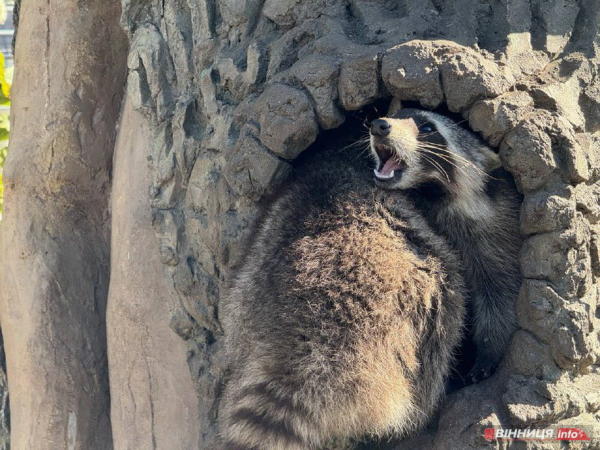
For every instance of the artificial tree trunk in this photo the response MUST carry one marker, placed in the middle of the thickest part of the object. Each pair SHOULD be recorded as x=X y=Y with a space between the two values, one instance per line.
x=55 y=232
x=222 y=97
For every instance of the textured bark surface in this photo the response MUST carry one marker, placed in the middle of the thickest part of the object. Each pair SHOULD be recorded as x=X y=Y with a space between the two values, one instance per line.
x=54 y=237
x=4 y=403
x=222 y=98
x=153 y=404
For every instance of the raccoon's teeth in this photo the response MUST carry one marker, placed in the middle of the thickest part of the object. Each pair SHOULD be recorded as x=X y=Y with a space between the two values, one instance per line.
x=381 y=176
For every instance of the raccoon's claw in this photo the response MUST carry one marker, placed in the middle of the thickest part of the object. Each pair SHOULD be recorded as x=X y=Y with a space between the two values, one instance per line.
x=486 y=362
x=480 y=372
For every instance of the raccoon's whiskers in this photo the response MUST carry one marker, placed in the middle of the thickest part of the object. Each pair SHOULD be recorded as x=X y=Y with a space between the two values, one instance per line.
x=459 y=158
x=357 y=143
x=365 y=149
x=437 y=165
x=443 y=157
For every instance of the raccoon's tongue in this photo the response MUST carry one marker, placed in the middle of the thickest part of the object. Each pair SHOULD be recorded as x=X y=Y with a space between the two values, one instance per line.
x=388 y=169
x=390 y=164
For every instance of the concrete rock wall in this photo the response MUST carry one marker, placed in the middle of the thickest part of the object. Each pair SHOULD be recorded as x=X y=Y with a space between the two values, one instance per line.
x=234 y=91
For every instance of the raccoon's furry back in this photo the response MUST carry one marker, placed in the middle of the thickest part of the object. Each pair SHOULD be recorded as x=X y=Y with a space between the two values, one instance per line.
x=343 y=319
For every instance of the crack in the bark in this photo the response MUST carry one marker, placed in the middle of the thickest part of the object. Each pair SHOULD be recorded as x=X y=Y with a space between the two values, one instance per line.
x=152 y=418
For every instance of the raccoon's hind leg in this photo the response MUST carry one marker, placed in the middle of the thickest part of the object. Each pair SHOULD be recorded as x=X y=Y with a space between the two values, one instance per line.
x=495 y=323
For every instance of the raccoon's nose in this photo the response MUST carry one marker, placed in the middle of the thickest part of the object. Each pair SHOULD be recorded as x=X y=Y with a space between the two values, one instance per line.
x=380 y=127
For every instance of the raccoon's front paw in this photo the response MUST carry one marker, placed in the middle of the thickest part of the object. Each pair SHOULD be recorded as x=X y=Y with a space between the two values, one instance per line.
x=484 y=367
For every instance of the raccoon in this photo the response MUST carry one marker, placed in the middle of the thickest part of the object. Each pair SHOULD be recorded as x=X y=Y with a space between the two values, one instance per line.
x=345 y=316
x=459 y=185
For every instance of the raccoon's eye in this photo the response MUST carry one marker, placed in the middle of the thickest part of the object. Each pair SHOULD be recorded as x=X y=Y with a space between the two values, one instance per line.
x=427 y=128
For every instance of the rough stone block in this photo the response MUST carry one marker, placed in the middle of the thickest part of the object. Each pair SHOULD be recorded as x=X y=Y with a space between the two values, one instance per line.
x=242 y=83
x=527 y=153
x=199 y=294
x=287 y=120
x=541 y=213
x=558 y=17
x=494 y=118
x=395 y=106
x=537 y=308
x=202 y=248
x=234 y=235
x=359 y=82
x=524 y=404
x=587 y=198
x=166 y=231
x=319 y=75
x=572 y=343
x=547 y=256
x=468 y=77
x=411 y=71
x=528 y=357
x=203 y=204
x=590 y=147
x=280 y=12
x=576 y=161
x=433 y=71
x=561 y=257
x=149 y=57
x=590 y=105
x=562 y=325
x=284 y=52
x=524 y=60
x=595 y=252
x=233 y=11
x=251 y=170
x=202 y=183
x=563 y=97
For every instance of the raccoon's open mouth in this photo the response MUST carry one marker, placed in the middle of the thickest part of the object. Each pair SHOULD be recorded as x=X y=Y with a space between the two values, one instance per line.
x=390 y=166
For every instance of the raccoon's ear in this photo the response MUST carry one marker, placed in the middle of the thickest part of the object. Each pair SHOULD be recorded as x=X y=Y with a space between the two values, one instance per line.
x=491 y=160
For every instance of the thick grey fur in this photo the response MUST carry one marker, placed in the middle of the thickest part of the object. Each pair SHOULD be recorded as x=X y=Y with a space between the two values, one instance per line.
x=344 y=318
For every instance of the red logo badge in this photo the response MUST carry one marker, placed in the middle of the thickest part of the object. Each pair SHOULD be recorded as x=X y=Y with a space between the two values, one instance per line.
x=489 y=434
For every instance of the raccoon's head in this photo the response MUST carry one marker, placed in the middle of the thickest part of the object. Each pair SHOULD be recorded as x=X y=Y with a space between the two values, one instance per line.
x=415 y=147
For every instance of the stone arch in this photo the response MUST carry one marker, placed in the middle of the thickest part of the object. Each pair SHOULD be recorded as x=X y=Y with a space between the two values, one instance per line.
x=225 y=142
